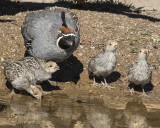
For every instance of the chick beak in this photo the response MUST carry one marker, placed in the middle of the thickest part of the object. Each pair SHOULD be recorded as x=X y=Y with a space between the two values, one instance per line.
x=146 y=51
x=57 y=67
x=116 y=45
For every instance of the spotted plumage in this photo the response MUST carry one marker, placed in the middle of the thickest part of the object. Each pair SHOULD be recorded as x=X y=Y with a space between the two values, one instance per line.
x=41 y=69
x=27 y=73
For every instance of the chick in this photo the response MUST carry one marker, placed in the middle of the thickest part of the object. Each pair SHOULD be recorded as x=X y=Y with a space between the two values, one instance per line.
x=140 y=72
x=27 y=73
x=103 y=63
x=41 y=69
x=20 y=78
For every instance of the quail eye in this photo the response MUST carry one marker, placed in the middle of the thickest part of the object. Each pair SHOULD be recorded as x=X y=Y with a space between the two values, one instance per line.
x=140 y=51
x=110 y=44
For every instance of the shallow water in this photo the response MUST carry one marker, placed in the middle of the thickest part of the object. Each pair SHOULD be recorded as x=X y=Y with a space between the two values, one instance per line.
x=30 y=113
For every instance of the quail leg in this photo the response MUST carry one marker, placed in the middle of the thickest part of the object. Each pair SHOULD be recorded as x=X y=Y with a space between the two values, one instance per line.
x=10 y=96
x=43 y=92
x=132 y=91
x=144 y=94
x=94 y=81
x=105 y=84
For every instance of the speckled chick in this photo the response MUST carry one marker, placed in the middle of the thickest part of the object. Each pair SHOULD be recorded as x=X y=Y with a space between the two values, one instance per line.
x=41 y=69
x=103 y=63
x=20 y=78
x=51 y=34
x=140 y=72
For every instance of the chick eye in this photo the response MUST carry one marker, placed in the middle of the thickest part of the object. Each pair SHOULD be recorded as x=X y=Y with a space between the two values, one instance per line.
x=50 y=66
x=110 y=44
x=140 y=51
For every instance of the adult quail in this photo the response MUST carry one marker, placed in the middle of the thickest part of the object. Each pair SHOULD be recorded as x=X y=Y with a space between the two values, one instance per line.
x=103 y=63
x=140 y=72
x=51 y=34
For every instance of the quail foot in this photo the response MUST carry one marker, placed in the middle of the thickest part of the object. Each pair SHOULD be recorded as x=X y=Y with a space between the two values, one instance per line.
x=20 y=78
x=103 y=63
x=51 y=34
x=140 y=72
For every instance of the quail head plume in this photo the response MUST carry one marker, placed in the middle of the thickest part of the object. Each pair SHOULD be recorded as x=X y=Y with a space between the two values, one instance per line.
x=103 y=63
x=51 y=34
x=140 y=72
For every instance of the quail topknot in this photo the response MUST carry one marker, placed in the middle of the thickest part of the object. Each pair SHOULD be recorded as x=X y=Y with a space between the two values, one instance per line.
x=103 y=63
x=140 y=72
x=25 y=74
x=51 y=34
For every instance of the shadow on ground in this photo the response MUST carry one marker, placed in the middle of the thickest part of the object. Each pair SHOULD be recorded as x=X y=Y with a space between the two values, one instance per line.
x=46 y=86
x=147 y=88
x=70 y=70
x=113 y=77
x=12 y=8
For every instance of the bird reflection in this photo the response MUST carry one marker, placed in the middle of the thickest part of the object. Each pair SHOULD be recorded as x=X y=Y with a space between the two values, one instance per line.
x=135 y=114
x=27 y=114
x=98 y=116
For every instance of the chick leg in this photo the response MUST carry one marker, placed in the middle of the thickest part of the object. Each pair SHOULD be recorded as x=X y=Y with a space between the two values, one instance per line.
x=132 y=91
x=43 y=92
x=94 y=81
x=12 y=93
x=105 y=84
x=144 y=94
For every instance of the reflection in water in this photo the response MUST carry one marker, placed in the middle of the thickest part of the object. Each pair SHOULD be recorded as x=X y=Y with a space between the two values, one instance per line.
x=135 y=114
x=25 y=114
x=98 y=116
x=33 y=114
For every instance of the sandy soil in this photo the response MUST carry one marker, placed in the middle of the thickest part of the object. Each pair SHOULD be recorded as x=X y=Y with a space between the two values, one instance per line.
x=132 y=31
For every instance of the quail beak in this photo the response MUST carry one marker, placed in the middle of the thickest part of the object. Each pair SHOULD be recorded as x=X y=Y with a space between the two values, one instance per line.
x=116 y=45
x=146 y=51
x=57 y=67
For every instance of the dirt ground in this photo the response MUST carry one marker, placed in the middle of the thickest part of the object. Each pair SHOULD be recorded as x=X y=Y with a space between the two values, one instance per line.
x=131 y=30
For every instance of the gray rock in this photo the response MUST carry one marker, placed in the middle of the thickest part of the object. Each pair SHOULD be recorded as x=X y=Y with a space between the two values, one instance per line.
x=51 y=34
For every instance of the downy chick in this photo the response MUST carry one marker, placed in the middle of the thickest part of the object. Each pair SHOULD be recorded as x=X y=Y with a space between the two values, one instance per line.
x=140 y=72
x=103 y=63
